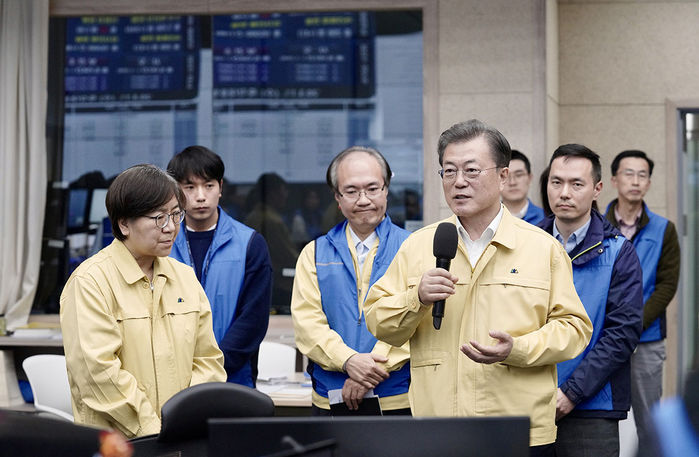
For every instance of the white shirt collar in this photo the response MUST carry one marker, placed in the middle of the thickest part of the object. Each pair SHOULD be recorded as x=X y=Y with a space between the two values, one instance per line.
x=368 y=241
x=362 y=247
x=476 y=248
x=523 y=211
x=190 y=229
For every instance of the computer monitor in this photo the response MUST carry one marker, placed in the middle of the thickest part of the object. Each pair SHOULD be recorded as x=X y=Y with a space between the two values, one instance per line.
x=78 y=200
x=370 y=435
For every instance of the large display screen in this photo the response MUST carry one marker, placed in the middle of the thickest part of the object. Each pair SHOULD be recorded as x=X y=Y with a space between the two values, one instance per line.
x=131 y=58
x=273 y=94
x=322 y=55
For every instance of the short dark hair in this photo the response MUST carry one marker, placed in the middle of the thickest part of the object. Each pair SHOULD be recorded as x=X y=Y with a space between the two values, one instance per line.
x=196 y=161
x=578 y=150
x=543 y=190
x=516 y=155
x=137 y=191
x=631 y=153
x=331 y=173
x=471 y=129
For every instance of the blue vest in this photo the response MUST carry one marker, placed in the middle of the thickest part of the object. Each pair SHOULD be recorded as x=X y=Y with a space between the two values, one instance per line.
x=222 y=276
x=649 y=245
x=592 y=285
x=534 y=214
x=338 y=291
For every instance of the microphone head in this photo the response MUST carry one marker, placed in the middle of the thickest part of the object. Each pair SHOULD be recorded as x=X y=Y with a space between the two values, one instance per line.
x=445 y=241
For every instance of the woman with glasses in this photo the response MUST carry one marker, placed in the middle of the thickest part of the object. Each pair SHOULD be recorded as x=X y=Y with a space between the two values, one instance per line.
x=136 y=324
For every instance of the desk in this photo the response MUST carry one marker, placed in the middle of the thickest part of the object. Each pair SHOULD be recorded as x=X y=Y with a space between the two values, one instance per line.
x=12 y=342
x=13 y=350
x=291 y=398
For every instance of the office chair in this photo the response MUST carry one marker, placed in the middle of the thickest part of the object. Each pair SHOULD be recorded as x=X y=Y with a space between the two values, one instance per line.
x=48 y=379
x=184 y=415
x=184 y=429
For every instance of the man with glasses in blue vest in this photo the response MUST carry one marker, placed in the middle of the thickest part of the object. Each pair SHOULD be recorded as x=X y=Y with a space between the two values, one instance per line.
x=333 y=275
x=658 y=248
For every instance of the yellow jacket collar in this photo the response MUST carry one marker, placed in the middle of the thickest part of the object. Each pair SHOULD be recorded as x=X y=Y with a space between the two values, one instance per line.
x=128 y=267
x=505 y=235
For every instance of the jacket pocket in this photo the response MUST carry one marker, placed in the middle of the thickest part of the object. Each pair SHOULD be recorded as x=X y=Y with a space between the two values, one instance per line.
x=429 y=369
x=513 y=304
x=429 y=358
x=433 y=362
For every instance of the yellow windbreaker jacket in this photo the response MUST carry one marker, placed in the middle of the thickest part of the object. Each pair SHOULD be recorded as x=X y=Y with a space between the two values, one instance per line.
x=523 y=285
x=129 y=348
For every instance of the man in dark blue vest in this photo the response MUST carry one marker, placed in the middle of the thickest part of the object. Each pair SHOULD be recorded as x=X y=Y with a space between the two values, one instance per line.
x=515 y=193
x=658 y=249
x=231 y=261
x=594 y=390
x=333 y=275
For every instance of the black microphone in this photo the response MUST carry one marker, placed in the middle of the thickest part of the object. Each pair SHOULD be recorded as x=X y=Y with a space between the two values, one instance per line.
x=444 y=249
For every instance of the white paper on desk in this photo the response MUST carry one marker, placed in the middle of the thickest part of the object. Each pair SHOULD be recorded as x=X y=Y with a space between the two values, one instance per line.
x=293 y=392
x=269 y=388
x=335 y=395
x=273 y=379
x=37 y=333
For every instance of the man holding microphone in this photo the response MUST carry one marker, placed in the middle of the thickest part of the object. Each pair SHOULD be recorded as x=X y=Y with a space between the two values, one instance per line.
x=511 y=309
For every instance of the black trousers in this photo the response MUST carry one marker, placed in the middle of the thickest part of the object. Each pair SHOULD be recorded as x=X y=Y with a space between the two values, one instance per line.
x=587 y=437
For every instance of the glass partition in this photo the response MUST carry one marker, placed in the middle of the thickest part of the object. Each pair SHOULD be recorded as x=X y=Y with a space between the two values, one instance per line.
x=276 y=95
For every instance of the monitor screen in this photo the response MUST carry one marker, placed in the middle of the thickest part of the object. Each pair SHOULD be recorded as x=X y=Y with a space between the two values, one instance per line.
x=362 y=436
x=77 y=208
x=98 y=210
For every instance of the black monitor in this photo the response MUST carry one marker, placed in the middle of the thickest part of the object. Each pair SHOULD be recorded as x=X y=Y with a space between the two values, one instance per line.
x=32 y=434
x=78 y=206
x=363 y=436
x=86 y=209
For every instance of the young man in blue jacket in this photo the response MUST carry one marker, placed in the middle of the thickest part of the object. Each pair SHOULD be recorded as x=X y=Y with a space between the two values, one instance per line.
x=594 y=389
x=230 y=259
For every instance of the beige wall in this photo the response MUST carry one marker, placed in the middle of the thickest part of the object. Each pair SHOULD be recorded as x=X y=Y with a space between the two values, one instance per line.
x=492 y=67
x=619 y=63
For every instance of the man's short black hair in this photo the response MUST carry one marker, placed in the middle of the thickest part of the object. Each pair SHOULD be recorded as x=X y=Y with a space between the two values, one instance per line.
x=516 y=155
x=578 y=150
x=139 y=191
x=196 y=161
x=631 y=153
